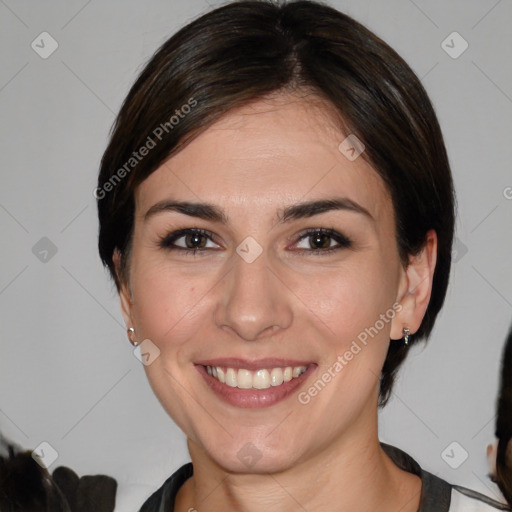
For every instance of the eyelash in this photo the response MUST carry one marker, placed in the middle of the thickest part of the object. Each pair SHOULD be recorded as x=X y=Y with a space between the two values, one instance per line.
x=168 y=241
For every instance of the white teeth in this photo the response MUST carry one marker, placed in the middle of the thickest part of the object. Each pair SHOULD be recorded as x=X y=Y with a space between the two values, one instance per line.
x=296 y=372
x=276 y=377
x=230 y=377
x=260 y=379
x=244 y=379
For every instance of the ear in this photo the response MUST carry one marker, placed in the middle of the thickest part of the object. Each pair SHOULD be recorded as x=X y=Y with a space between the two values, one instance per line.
x=415 y=288
x=125 y=295
x=492 y=451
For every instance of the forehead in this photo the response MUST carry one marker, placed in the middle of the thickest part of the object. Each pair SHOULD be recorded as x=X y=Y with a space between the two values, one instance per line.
x=274 y=151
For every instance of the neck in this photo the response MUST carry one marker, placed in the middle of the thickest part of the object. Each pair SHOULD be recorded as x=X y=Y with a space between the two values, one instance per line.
x=353 y=472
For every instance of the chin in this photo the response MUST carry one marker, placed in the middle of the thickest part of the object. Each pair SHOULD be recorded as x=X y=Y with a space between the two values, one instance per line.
x=251 y=460
x=242 y=455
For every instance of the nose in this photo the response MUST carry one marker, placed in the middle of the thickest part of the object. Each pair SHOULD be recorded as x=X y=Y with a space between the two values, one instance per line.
x=253 y=301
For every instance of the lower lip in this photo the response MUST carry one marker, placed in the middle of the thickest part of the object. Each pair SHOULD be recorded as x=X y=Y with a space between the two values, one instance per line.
x=254 y=398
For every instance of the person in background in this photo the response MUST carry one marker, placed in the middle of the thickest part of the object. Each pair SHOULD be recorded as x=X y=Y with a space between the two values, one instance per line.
x=27 y=486
x=500 y=454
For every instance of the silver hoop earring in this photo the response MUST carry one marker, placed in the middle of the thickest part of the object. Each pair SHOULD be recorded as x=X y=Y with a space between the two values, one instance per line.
x=131 y=331
x=407 y=333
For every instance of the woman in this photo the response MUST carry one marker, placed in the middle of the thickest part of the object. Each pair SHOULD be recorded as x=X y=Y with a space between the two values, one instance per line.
x=276 y=209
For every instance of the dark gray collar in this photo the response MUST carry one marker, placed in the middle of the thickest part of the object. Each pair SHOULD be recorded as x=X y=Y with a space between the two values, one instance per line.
x=435 y=493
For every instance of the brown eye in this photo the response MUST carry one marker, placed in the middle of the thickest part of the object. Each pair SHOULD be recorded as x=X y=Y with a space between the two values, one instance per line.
x=195 y=240
x=319 y=241
x=188 y=241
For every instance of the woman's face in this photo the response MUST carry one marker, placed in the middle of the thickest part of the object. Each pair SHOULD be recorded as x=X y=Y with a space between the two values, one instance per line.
x=261 y=295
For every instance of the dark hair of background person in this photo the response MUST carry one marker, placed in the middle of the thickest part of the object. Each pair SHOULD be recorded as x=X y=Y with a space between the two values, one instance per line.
x=504 y=424
x=247 y=50
x=26 y=486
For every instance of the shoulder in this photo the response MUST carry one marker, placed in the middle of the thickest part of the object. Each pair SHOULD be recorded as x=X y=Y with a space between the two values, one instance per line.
x=472 y=501
x=437 y=495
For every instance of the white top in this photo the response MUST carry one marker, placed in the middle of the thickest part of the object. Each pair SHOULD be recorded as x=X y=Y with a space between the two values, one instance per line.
x=465 y=500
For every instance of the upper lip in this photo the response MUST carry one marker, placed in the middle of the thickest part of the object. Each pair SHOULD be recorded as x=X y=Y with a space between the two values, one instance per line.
x=254 y=364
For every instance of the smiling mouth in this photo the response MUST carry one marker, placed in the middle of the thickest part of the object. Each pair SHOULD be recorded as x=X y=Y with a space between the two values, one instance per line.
x=264 y=378
x=254 y=384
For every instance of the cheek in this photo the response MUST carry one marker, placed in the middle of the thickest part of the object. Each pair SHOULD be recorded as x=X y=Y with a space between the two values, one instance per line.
x=351 y=298
x=167 y=310
x=165 y=305
x=357 y=305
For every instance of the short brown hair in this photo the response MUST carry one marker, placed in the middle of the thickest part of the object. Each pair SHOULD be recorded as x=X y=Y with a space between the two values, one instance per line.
x=246 y=50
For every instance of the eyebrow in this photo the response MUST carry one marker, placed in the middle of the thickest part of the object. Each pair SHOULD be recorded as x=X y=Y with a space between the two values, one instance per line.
x=303 y=210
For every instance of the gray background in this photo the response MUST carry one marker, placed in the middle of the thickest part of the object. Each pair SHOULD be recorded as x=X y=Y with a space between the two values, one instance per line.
x=67 y=372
